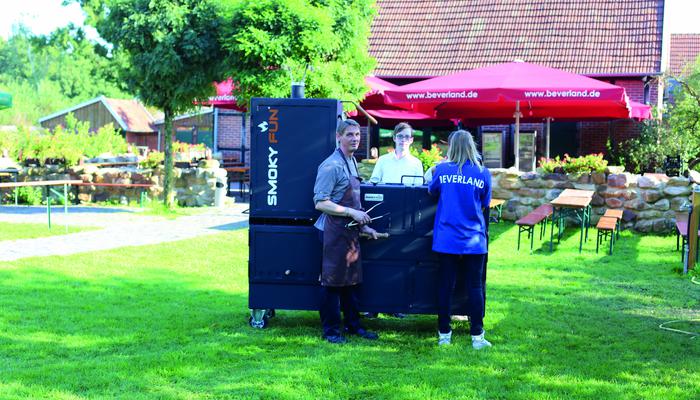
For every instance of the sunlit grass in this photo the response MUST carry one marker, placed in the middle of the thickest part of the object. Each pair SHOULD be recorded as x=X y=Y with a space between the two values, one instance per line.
x=170 y=321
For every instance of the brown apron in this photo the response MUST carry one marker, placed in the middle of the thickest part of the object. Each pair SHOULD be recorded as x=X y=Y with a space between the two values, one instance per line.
x=342 y=265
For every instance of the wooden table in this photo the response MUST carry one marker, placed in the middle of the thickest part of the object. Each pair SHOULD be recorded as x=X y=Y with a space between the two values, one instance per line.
x=498 y=205
x=577 y=193
x=238 y=174
x=579 y=207
x=64 y=183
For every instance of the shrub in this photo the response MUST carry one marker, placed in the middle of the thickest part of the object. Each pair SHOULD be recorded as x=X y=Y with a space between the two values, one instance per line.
x=29 y=195
x=152 y=160
x=66 y=145
x=574 y=165
x=428 y=157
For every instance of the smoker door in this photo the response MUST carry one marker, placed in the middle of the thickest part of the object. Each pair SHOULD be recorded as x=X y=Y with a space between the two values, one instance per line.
x=289 y=139
x=284 y=267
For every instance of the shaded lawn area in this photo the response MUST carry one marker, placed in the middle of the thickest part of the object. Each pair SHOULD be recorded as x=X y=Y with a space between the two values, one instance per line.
x=15 y=231
x=170 y=321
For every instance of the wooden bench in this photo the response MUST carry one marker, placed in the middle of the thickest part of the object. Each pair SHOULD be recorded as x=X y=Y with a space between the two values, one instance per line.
x=606 y=230
x=681 y=229
x=682 y=232
x=540 y=215
x=617 y=214
x=527 y=224
x=547 y=211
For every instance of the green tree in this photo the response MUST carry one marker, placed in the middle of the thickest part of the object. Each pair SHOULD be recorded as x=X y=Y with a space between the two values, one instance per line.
x=171 y=50
x=271 y=42
x=675 y=133
x=49 y=73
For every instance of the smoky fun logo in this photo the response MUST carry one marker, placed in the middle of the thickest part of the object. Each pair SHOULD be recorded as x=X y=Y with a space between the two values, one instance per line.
x=272 y=126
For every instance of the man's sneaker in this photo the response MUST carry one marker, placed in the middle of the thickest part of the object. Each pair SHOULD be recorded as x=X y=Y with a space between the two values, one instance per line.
x=398 y=315
x=444 y=338
x=370 y=315
x=365 y=334
x=478 y=341
x=335 y=339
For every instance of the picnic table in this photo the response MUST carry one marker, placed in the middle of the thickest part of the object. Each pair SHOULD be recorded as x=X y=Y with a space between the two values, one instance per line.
x=15 y=173
x=498 y=205
x=238 y=174
x=46 y=184
x=577 y=193
x=571 y=203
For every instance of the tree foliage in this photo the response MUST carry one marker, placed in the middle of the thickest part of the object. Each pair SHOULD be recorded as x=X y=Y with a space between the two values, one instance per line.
x=675 y=133
x=172 y=53
x=47 y=73
x=271 y=43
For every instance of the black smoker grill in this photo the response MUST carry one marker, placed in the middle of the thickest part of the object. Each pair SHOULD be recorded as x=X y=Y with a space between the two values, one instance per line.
x=289 y=139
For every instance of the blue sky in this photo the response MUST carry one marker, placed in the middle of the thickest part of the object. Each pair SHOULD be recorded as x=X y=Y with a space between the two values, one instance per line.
x=43 y=16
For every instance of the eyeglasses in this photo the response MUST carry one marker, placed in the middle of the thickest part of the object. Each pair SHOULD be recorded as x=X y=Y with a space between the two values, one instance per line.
x=404 y=137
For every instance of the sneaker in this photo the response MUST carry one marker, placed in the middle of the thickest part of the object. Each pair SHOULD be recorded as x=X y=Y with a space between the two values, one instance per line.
x=335 y=339
x=398 y=315
x=444 y=338
x=370 y=315
x=478 y=341
x=365 y=334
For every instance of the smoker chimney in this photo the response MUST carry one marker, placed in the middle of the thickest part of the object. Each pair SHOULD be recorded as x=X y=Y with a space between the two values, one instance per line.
x=297 y=90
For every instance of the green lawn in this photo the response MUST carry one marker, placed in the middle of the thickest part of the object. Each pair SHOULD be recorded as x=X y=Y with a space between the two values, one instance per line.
x=14 y=231
x=170 y=322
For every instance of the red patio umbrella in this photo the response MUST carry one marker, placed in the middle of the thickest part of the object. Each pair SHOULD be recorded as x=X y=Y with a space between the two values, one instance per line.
x=526 y=92
x=224 y=96
x=376 y=105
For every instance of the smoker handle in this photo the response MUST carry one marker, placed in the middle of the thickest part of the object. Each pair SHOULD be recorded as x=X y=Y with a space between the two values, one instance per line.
x=413 y=176
x=370 y=118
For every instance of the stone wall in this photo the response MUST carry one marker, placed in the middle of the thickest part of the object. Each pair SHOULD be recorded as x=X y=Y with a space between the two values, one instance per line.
x=649 y=202
x=193 y=186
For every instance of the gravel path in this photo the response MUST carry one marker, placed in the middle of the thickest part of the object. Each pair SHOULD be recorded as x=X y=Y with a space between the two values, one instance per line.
x=121 y=227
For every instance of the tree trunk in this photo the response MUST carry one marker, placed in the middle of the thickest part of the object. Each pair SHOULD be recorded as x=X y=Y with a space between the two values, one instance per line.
x=168 y=194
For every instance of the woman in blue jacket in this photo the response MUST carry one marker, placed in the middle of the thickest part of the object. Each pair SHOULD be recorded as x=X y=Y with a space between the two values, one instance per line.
x=459 y=234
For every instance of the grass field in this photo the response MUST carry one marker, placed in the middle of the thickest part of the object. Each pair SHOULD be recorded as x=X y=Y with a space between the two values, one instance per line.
x=14 y=231
x=170 y=322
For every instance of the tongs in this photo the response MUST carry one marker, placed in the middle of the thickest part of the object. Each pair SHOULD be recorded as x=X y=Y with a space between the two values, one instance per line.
x=354 y=223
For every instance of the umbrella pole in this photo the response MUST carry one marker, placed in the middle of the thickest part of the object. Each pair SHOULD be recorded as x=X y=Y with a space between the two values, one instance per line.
x=517 y=135
x=549 y=129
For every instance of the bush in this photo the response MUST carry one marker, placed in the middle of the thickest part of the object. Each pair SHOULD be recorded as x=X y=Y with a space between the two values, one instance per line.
x=152 y=160
x=65 y=145
x=29 y=195
x=569 y=165
x=673 y=136
x=428 y=157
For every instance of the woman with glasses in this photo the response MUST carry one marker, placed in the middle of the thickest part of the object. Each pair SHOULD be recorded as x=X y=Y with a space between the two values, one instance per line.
x=459 y=234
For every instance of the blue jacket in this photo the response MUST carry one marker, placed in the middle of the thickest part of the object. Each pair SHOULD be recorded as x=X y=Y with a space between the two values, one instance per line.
x=460 y=227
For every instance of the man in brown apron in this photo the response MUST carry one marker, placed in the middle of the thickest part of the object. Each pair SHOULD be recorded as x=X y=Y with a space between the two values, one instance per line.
x=337 y=196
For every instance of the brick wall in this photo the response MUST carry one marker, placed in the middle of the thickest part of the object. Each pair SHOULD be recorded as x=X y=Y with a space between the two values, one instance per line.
x=634 y=88
x=594 y=135
x=230 y=127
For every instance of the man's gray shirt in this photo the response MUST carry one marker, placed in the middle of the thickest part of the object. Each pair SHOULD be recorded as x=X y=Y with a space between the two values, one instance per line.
x=332 y=181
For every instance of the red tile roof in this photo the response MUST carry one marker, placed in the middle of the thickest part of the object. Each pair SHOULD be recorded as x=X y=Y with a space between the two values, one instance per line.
x=685 y=49
x=437 y=37
x=133 y=114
